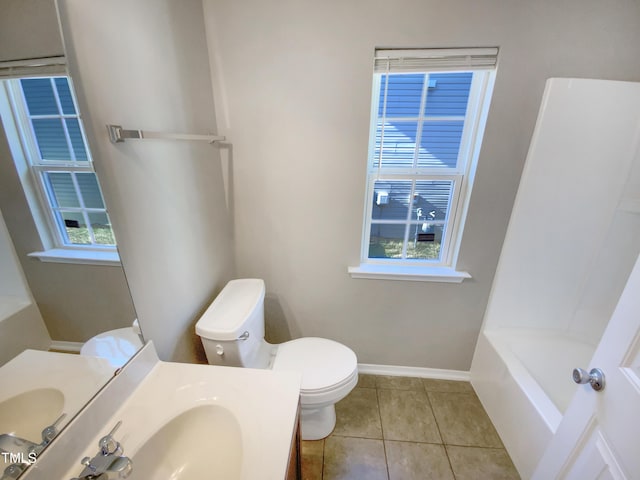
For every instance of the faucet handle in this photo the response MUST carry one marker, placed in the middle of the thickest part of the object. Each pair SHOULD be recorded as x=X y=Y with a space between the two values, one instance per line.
x=122 y=467
x=108 y=445
x=12 y=472
x=51 y=431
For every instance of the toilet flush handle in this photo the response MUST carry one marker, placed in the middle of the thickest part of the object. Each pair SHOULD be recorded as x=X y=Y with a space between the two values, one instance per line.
x=219 y=350
x=244 y=336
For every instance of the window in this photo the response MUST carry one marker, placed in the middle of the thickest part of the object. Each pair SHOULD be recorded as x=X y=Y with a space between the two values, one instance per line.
x=45 y=118
x=428 y=113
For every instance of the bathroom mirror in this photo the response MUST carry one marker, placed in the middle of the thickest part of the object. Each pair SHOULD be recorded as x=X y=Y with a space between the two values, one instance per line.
x=48 y=309
x=44 y=306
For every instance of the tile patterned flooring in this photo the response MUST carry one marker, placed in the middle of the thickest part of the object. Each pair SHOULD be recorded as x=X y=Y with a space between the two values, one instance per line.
x=405 y=428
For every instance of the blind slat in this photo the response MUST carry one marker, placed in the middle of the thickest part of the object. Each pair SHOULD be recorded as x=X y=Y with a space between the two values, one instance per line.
x=34 y=67
x=416 y=60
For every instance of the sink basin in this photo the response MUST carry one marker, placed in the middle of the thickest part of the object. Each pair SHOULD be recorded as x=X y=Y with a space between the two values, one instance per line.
x=186 y=421
x=194 y=444
x=44 y=406
x=31 y=402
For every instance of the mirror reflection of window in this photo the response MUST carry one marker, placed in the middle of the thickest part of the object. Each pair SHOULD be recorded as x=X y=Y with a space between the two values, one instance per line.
x=58 y=158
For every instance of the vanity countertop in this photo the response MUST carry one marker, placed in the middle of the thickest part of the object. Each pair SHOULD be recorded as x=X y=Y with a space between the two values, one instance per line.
x=185 y=421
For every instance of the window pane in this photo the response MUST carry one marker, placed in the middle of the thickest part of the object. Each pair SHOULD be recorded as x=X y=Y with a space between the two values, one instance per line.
x=51 y=139
x=403 y=95
x=89 y=189
x=102 y=229
x=64 y=94
x=76 y=228
x=448 y=94
x=431 y=200
x=77 y=142
x=399 y=144
x=386 y=240
x=424 y=241
x=61 y=189
x=440 y=144
x=38 y=94
x=391 y=200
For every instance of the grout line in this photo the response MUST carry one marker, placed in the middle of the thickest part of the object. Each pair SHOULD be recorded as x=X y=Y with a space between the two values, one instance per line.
x=446 y=452
x=384 y=445
x=324 y=443
x=438 y=427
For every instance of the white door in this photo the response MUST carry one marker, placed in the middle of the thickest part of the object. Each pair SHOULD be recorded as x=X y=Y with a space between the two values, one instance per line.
x=599 y=437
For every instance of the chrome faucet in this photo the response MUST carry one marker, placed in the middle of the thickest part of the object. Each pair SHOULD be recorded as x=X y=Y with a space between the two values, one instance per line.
x=13 y=471
x=109 y=462
x=21 y=453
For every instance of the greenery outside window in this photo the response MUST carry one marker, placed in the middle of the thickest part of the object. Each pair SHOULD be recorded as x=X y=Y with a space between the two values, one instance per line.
x=429 y=108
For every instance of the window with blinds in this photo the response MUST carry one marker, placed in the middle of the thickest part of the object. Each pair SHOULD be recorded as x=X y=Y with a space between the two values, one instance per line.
x=60 y=162
x=427 y=119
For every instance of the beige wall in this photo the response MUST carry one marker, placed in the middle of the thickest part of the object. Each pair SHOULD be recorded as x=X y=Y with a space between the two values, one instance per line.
x=29 y=29
x=144 y=65
x=76 y=301
x=292 y=82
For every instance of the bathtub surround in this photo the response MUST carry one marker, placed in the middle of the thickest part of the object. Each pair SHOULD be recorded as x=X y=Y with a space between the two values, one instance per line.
x=549 y=307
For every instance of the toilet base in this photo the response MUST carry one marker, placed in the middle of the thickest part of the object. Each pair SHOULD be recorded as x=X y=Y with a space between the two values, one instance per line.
x=317 y=423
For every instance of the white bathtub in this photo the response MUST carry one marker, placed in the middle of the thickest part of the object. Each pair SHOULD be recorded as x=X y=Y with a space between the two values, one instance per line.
x=523 y=379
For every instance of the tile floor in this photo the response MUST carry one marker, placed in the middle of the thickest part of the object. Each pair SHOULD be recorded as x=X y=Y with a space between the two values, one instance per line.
x=404 y=428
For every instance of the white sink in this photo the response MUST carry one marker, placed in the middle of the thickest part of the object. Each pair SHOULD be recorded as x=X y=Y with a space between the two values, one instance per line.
x=44 y=406
x=37 y=387
x=188 y=421
x=194 y=444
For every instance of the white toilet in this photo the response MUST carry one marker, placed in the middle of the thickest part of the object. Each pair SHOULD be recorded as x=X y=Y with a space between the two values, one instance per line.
x=117 y=346
x=232 y=333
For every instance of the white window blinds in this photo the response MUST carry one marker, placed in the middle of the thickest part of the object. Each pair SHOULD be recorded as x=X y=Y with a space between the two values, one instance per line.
x=436 y=59
x=35 y=67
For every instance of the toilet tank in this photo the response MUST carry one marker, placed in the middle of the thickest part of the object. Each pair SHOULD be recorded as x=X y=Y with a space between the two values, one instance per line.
x=239 y=308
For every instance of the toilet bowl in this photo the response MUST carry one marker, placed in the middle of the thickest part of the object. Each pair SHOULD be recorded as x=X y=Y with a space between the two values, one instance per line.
x=117 y=346
x=232 y=333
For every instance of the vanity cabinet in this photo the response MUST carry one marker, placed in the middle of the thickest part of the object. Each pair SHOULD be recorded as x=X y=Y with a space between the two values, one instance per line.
x=294 y=468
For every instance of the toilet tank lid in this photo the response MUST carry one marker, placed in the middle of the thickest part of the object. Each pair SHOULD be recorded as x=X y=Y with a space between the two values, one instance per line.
x=226 y=317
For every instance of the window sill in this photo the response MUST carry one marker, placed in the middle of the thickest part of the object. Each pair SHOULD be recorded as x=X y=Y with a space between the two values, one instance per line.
x=85 y=257
x=415 y=274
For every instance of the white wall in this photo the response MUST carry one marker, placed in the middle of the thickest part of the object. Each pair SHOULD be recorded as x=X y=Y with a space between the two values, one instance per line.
x=12 y=281
x=21 y=325
x=29 y=29
x=292 y=82
x=144 y=65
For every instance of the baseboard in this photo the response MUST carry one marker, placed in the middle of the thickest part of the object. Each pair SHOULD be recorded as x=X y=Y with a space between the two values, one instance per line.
x=398 y=371
x=65 y=347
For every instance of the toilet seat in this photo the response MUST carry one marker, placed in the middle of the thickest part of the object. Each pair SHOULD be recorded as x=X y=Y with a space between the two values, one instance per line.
x=329 y=369
x=117 y=346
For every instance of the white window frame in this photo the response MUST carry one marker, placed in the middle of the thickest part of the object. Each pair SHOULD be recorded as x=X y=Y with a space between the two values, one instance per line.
x=31 y=168
x=462 y=176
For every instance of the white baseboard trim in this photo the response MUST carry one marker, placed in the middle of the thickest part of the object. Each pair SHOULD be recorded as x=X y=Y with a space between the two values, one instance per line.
x=62 y=346
x=398 y=371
